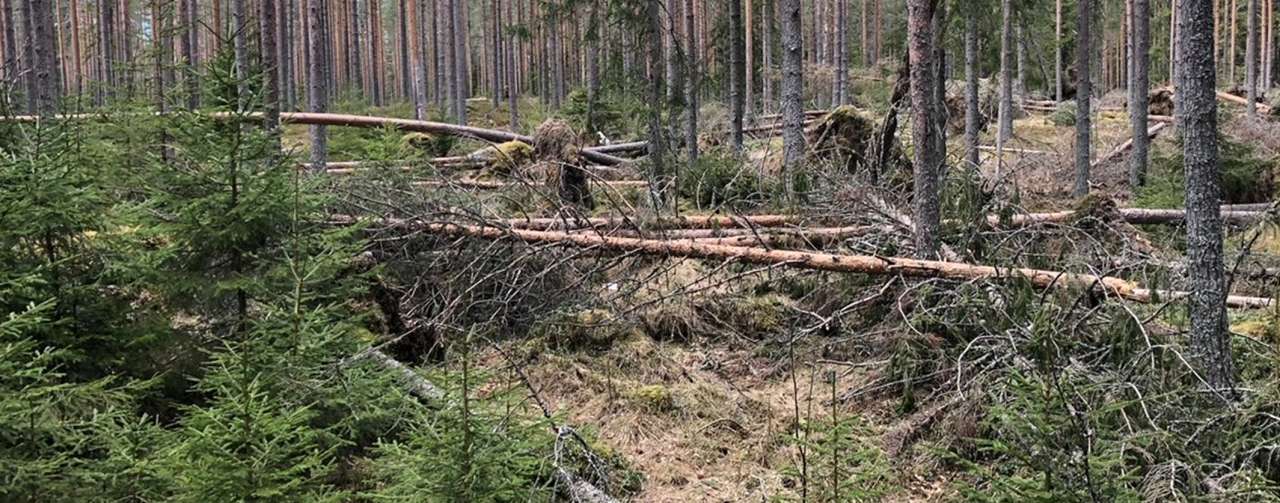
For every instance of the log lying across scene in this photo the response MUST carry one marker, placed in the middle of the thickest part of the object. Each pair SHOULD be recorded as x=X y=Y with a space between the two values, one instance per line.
x=862 y=264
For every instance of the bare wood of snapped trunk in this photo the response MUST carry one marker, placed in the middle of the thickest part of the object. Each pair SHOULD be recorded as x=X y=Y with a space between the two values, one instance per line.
x=1209 y=340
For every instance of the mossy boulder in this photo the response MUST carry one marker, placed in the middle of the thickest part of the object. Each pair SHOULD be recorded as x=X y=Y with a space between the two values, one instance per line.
x=429 y=145
x=505 y=158
x=654 y=397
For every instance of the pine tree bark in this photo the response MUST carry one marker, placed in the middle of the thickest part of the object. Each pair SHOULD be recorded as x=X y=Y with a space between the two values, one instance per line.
x=1084 y=93
x=691 y=86
x=513 y=86
x=766 y=53
x=751 y=60
x=1006 y=77
x=28 y=60
x=457 y=27
x=241 y=47
x=270 y=58
x=317 y=82
x=593 y=65
x=927 y=159
x=1057 y=51
x=972 y=119
x=284 y=47
x=737 y=73
x=658 y=192
x=45 y=58
x=1251 y=61
x=1210 y=343
x=10 y=45
x=793 y=145
x=1139 y=84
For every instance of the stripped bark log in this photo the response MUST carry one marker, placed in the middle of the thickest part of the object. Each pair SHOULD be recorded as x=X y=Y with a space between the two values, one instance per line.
x=863 y=264
x=1130 y=215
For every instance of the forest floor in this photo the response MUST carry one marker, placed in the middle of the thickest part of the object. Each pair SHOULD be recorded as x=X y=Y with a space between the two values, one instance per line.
x=704 y=389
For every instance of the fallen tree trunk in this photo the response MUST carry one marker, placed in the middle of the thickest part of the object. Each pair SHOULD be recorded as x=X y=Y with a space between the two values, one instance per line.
x=1263 y=108
x=1023 y=151
x=498 y=185
x=686 y=222
x=491 y=135
x=863 y=264
x=1128 y=144
x=1130 y=215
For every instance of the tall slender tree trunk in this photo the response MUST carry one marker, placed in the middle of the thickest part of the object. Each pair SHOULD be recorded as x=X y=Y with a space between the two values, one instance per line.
x=692 y=81
x=10 y=44
x=972 y=120
x=317 y=82
x=241 y=47
x=1057 y=51
x=513 y=87
x=593 y=65
x=1210 y=343
x=270 y=58
x=1139 y=84
x=737 y=73
x=1006 y=80
x=658 y=177
x=284 y=46
x=842 y=54
x=48 y=85
x=766 y=52
x=76 y=54
x=751 y=59
x=927 y=159
x=793 y=146
x=1084 y=91
x=460 y=72
x=1251 y=61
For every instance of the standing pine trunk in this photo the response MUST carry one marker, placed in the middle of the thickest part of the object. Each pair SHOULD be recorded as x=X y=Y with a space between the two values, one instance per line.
x=513 y=90
x=927 y=159
x=1057 y=51
x=241 y=48
x=1006 y=77
x=1140 y=81
x=10 y=68
x=792 y=90
x=737 y=73
x=691 y=86
x=270 y=67
x=657 y=148
x=317 y=82
x=1084 y=93
x=593 y=65
x=972 y=120
x=1251 y=61
x=842 y=52
x=457 y=26
x=1210 y=343
x=44 y=62
x=766 y=53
